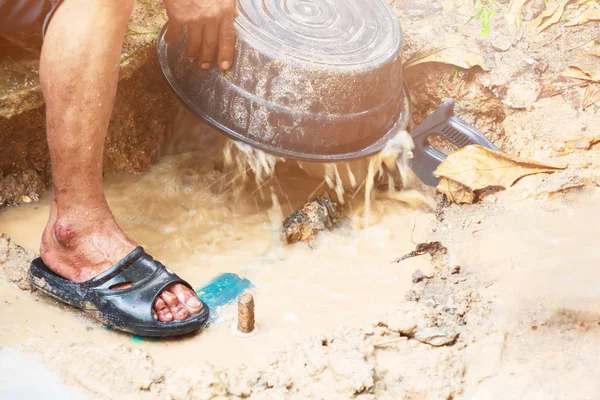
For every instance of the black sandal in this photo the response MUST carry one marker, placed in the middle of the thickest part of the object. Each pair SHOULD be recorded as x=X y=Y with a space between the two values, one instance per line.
x=128 y=310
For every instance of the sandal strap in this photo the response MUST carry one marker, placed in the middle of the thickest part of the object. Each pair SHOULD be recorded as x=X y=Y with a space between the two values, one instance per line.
x=121 y=271
x=148 y=279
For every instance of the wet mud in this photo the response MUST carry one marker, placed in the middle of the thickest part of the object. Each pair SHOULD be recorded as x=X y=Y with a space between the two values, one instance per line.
x=509 y=310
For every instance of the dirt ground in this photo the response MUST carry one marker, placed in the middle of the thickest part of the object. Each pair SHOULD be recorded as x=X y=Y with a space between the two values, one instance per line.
x=511 y=310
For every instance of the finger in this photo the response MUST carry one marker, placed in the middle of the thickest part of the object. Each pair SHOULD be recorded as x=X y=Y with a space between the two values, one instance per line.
x=173 y=31
x=233 y=6
x=226 y=42
x=209 y=44
x=194 y=41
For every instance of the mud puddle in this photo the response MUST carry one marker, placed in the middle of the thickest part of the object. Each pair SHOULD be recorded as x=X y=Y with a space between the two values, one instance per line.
x=186 y=214
x=526 y=294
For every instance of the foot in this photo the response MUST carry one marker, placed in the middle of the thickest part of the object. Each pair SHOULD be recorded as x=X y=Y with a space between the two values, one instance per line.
x=85 y=243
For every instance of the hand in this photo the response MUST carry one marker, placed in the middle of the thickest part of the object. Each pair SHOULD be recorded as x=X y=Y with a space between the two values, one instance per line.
x=210 y=29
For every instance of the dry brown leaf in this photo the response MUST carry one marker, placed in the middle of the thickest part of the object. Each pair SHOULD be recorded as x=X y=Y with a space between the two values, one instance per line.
x=587 y=72
x=550 y=16
x=473 y=169
x=578 y=73
x=591 y=96
x=592 y=13
x=556 y=84
x=456 y=191
x=456 y=50
x=587 y=62
x=594 y=49
x=583 y=143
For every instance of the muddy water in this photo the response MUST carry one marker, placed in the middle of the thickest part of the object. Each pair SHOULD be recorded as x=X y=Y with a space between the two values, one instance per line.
x=190 y=213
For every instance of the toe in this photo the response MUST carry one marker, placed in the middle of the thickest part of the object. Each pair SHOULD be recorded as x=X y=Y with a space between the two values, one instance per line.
x=159 y=304
x=162 y=310
x=179 y=310
x=165 y=315
x=188 y=297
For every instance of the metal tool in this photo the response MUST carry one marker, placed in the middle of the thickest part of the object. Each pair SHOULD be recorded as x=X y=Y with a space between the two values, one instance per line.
x=445 y=124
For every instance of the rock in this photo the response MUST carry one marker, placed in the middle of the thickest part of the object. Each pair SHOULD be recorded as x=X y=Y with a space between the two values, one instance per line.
x=499 y=41
x=417 y=276
x=582 y=144
x=413 y=295
x=24 y=187
x=14 y=263
x=476 y=104
x=417 y=9
x=522 y=92
x=304 y=225
x=532 y=9
x=436 y=336
x=408 y=319
x=20 y=89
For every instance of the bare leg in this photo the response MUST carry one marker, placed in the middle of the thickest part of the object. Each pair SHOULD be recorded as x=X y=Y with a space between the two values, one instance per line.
x=79 y=70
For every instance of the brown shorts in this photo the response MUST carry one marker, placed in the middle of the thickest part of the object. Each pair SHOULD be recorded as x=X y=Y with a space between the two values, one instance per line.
x=30 y=16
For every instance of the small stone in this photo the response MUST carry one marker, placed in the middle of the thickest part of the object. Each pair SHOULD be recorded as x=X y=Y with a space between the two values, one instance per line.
x=412 y=295
x=500 y=42
x=418 y=9
x=540 y=66
x=431 y=303
x=533 y=9
x=456 y=270
x=582 y=144
x=436 y=336
x=319 y=214
x=417 y=276
x=407 y=318
x=522 y=92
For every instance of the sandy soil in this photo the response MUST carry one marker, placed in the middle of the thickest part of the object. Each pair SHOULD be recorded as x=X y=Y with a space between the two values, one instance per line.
x=510 y=311
x=518 y=287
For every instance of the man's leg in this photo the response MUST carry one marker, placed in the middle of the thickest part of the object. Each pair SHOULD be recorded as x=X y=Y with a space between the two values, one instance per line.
x=79 y=71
